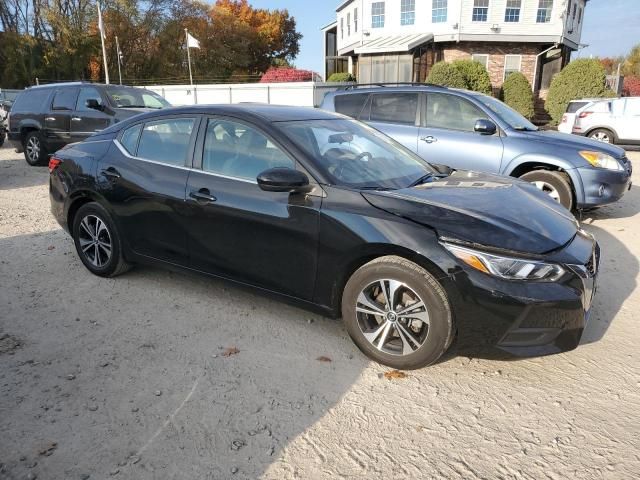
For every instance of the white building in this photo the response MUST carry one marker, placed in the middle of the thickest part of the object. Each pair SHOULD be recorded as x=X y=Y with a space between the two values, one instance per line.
x=399 y=40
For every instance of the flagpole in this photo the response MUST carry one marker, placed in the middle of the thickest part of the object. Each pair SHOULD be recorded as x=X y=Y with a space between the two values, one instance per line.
x=118 y=53
x=186 y=36
x=104 y=52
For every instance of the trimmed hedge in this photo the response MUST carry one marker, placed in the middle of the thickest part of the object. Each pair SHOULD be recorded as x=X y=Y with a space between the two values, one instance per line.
x=475 y=75
x=516 y=92
x=447 y=75
x=341 y=77
x=580 y=79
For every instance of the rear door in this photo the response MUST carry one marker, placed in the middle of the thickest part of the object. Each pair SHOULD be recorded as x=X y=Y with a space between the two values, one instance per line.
x=57 y=121
x=447 y=136
x=629 y=124
x=86 y=121
x=395 y=114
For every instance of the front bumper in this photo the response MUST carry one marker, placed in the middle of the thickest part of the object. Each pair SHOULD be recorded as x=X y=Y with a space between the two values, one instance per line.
x=602 y=186
x=526 y=318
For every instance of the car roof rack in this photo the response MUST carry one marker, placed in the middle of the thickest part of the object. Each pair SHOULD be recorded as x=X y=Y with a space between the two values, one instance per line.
x=392 y=84
x=64 y=84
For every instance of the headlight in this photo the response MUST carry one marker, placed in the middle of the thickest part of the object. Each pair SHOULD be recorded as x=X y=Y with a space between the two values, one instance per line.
x=601 y=160
x=506 y=267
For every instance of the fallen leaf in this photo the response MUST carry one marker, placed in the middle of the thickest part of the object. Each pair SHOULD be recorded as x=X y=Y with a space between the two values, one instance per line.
x=51 y=247
x=394 y=374
x=230 y=351
x=48 y=450
x=323 y=359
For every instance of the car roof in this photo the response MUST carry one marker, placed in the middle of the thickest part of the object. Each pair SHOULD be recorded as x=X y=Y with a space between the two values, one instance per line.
x=410 y=87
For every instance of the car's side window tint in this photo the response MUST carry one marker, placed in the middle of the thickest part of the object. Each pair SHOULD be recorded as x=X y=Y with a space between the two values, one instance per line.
x=452 y=112
x=65 y=99
x=394 y=108
x=238 y=150
x=166 y=141
x=129 y=139
x=88 y=93
x=350 y=104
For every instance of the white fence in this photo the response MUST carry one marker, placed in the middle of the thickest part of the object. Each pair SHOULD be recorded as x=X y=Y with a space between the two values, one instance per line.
x=303 y=94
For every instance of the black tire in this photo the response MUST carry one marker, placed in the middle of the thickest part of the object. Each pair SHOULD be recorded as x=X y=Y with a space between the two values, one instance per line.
x=437 y=337
x=104 y=265
x=557 y=184
x=35 y=153
x=603 y=135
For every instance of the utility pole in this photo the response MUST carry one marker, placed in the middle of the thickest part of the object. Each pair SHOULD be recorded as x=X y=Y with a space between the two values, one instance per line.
x=104 y=51
x=186 y=37
x=119 y=53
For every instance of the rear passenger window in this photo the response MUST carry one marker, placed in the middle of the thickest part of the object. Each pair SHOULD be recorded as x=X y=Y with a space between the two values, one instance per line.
x=351 y=104
x=166 y=141
x=65 y=99
x=394 y=108
x=573 y=107
x=129 y=138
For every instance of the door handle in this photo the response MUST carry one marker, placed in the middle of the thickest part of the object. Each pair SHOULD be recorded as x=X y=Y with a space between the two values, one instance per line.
x=203 y=196
x=111 y=173
x=75 y=119
x=50 y=119
x=429 y=139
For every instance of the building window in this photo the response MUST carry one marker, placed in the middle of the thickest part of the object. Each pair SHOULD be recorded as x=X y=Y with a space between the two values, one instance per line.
x=480 y=10
x=580 y=16
x=481 y=58
x=342 y=28
x=407 y=12
x=439 y=11
x=512 y=13
x=355 y=20
x=377 y=15
x=348 y=24
x=511 y=64
x=544 y=11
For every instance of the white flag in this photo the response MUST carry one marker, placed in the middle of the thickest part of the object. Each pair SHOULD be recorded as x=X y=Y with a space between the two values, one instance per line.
x=192 y=42
x=100 y=25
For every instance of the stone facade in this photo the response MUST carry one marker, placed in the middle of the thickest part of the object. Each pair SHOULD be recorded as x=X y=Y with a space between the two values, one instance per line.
x=496 y=52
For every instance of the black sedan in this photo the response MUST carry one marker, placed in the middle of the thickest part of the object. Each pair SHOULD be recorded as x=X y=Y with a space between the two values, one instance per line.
x=324 y=211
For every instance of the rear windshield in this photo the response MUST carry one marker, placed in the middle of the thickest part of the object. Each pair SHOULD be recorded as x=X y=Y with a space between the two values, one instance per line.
x=32 y=101
x=573 y=107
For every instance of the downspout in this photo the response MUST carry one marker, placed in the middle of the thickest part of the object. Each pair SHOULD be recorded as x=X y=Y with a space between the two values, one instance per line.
x=535 y=69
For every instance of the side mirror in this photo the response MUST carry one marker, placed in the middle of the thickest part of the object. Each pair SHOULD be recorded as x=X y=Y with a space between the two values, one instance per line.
x=485 y=127
x=283 y=180
x=93 y=103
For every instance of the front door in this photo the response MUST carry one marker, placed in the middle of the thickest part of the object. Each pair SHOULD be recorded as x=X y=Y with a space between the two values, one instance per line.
x=86 y=121
x=239 y=231
x=144 y=181
x=448 y=136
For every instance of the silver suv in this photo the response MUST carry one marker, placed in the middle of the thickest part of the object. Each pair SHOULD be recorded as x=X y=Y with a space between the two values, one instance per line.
x=611 y=121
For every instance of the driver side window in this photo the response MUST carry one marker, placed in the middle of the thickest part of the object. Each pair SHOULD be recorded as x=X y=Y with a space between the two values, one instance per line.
x=237 y=150
x=452 y=112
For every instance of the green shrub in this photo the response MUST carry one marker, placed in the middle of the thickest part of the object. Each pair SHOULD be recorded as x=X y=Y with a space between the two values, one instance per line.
x=581 y=78
x=475 y=75
x=516 y=92
x=341 y=77
x=445 y=74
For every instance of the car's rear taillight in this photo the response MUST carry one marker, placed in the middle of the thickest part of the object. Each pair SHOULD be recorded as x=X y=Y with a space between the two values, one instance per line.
x=584 y=114
x=54 y=163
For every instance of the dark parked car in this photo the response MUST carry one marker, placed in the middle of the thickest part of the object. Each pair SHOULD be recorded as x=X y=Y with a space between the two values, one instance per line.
x=472 y=131
x=45 y=118
x=326 y=211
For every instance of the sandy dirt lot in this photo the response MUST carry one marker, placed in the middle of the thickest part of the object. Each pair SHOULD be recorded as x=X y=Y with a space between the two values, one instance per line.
x=128 y=377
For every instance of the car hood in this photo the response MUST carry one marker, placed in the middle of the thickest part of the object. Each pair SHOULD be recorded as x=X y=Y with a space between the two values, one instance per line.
x=490 y=210
x=573 y=141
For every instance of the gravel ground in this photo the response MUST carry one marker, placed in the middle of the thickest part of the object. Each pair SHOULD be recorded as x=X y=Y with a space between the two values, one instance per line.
x=159 y=375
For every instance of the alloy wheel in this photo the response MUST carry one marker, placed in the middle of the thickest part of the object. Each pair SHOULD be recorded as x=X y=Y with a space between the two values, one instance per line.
x=95 y=241
x=548 y=189
x=392 y=317
x=601 y=137
x=33 y=149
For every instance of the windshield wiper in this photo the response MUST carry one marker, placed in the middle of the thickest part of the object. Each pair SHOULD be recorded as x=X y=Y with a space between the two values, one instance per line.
x=422 y=179
x=376 y=188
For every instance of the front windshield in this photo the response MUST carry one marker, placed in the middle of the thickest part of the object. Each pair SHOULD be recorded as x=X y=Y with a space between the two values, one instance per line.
x=506 y=113
x=128 y=97
x=355 y=155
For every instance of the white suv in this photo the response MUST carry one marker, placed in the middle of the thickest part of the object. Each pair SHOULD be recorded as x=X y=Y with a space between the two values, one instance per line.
x=573 y=109
x=610 y=121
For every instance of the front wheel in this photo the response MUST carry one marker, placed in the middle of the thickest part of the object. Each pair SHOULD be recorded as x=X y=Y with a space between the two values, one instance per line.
x=397 y=313
x=554 y=184
x=98 y=242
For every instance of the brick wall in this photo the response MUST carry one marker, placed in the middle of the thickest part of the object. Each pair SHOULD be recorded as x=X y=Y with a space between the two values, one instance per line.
x=496 y=52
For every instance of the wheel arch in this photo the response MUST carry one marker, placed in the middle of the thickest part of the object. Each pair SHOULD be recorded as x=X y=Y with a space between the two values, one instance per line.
x=77 y=200
x=603 y=127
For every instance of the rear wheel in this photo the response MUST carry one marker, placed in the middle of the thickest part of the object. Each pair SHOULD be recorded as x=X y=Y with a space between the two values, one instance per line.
x=98 y=242
x=35 y=152
x=554 y=184
x=397 y=313
x=603 y=135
